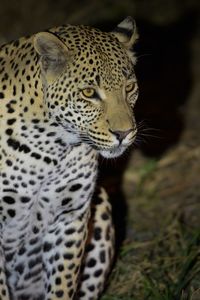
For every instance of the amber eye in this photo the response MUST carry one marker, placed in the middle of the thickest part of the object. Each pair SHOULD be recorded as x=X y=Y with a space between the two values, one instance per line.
x=130 y=86
x=88 y=93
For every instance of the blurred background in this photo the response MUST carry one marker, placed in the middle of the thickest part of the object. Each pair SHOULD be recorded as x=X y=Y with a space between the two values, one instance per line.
x=155 y=187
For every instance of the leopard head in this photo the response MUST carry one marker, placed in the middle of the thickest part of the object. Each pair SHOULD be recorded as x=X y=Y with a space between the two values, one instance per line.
x=89 y=84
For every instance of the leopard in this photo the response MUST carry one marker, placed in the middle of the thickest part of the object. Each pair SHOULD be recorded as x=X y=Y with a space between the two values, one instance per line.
x=67 y=96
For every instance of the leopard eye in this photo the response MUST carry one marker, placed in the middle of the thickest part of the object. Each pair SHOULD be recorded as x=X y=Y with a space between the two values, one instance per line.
x=88 y=92
x=130 y=87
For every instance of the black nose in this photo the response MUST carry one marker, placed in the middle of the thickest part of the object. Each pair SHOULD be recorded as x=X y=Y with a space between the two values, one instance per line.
x=121 y=134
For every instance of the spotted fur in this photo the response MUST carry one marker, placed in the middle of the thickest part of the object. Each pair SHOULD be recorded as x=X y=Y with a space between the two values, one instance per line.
x=66 y=95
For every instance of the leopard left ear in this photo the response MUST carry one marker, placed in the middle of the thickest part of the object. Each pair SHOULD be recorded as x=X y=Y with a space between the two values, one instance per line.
x=126 y=33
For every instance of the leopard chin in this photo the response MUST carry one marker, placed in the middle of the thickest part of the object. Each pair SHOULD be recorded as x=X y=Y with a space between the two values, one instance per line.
x=113 y=152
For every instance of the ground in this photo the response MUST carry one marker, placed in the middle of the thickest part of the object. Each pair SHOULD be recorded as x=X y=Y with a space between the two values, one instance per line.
x=155 y=188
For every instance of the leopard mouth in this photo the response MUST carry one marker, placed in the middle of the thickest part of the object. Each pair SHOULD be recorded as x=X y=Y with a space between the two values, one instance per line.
x=112 y=150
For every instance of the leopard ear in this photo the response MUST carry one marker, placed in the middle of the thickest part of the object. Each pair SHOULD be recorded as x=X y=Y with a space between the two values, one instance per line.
x=126 y=33
x=53 y=54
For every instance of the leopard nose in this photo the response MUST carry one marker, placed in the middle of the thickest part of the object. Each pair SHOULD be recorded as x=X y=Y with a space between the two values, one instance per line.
x=120 y=135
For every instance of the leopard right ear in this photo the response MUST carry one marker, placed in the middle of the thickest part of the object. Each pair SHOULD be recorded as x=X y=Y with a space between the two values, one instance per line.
x=53 y=54
x=126 y=33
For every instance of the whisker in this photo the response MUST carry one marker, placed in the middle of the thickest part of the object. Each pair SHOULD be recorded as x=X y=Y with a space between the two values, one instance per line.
x=144 y=55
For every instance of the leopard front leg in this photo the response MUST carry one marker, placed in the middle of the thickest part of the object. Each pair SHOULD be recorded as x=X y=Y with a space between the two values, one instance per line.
x=99 y=249
x=62 y=263
x=4 y=294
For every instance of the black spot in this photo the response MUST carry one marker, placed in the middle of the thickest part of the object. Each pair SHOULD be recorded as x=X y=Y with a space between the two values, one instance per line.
x=33 y=262
x=36 y=155
x=57 y=256
x=102 y=256
x=13 y=143
x=97 y=233
x=33 y=241
x=68 y=256
x=69 y=244
x=70 y=231
x=9 y=131
x=39 y=216
x=71 y=266
x=85 y=277
x=80 y=253
x=105 y=216
x=14 y=90
x=10 y=109
x=8 y=200
x=35 y=121
x=31 y=101
x=91 y=288
x=58 y=281
x=51 y=259
x=45 y=199
x=47 y=160
x=20 y=268
x=108 y=233
x=70 y=293
x=59 y=294
x=60 y=189
x=25 y=199
x=11 y=121
x=98 y=273
x=1 y=95
x=55 y=162
x=24 y=148
x=22 y=250
x=59 y=241
x=49 y=288
x=89 y=247
x=9 y=162
x=6 y=182
x=32 y=182
x=23 y=89
x=9 y=190
x=16 y=73
x=91 y=263
x=34 y=251
x=69 y=284
x=47 y=246
x=35 y=229
x=87 y=187
x=11 y=213
x=51 y=134
x=75 y=187
x=98 y=80
x=60 y=268
x=9 y=256
x=65 y=201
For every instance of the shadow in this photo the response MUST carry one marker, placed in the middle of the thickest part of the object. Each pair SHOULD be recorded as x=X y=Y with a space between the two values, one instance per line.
x=163 y=72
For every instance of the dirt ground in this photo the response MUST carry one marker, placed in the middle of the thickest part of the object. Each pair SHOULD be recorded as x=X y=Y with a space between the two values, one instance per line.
x=155 y=187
